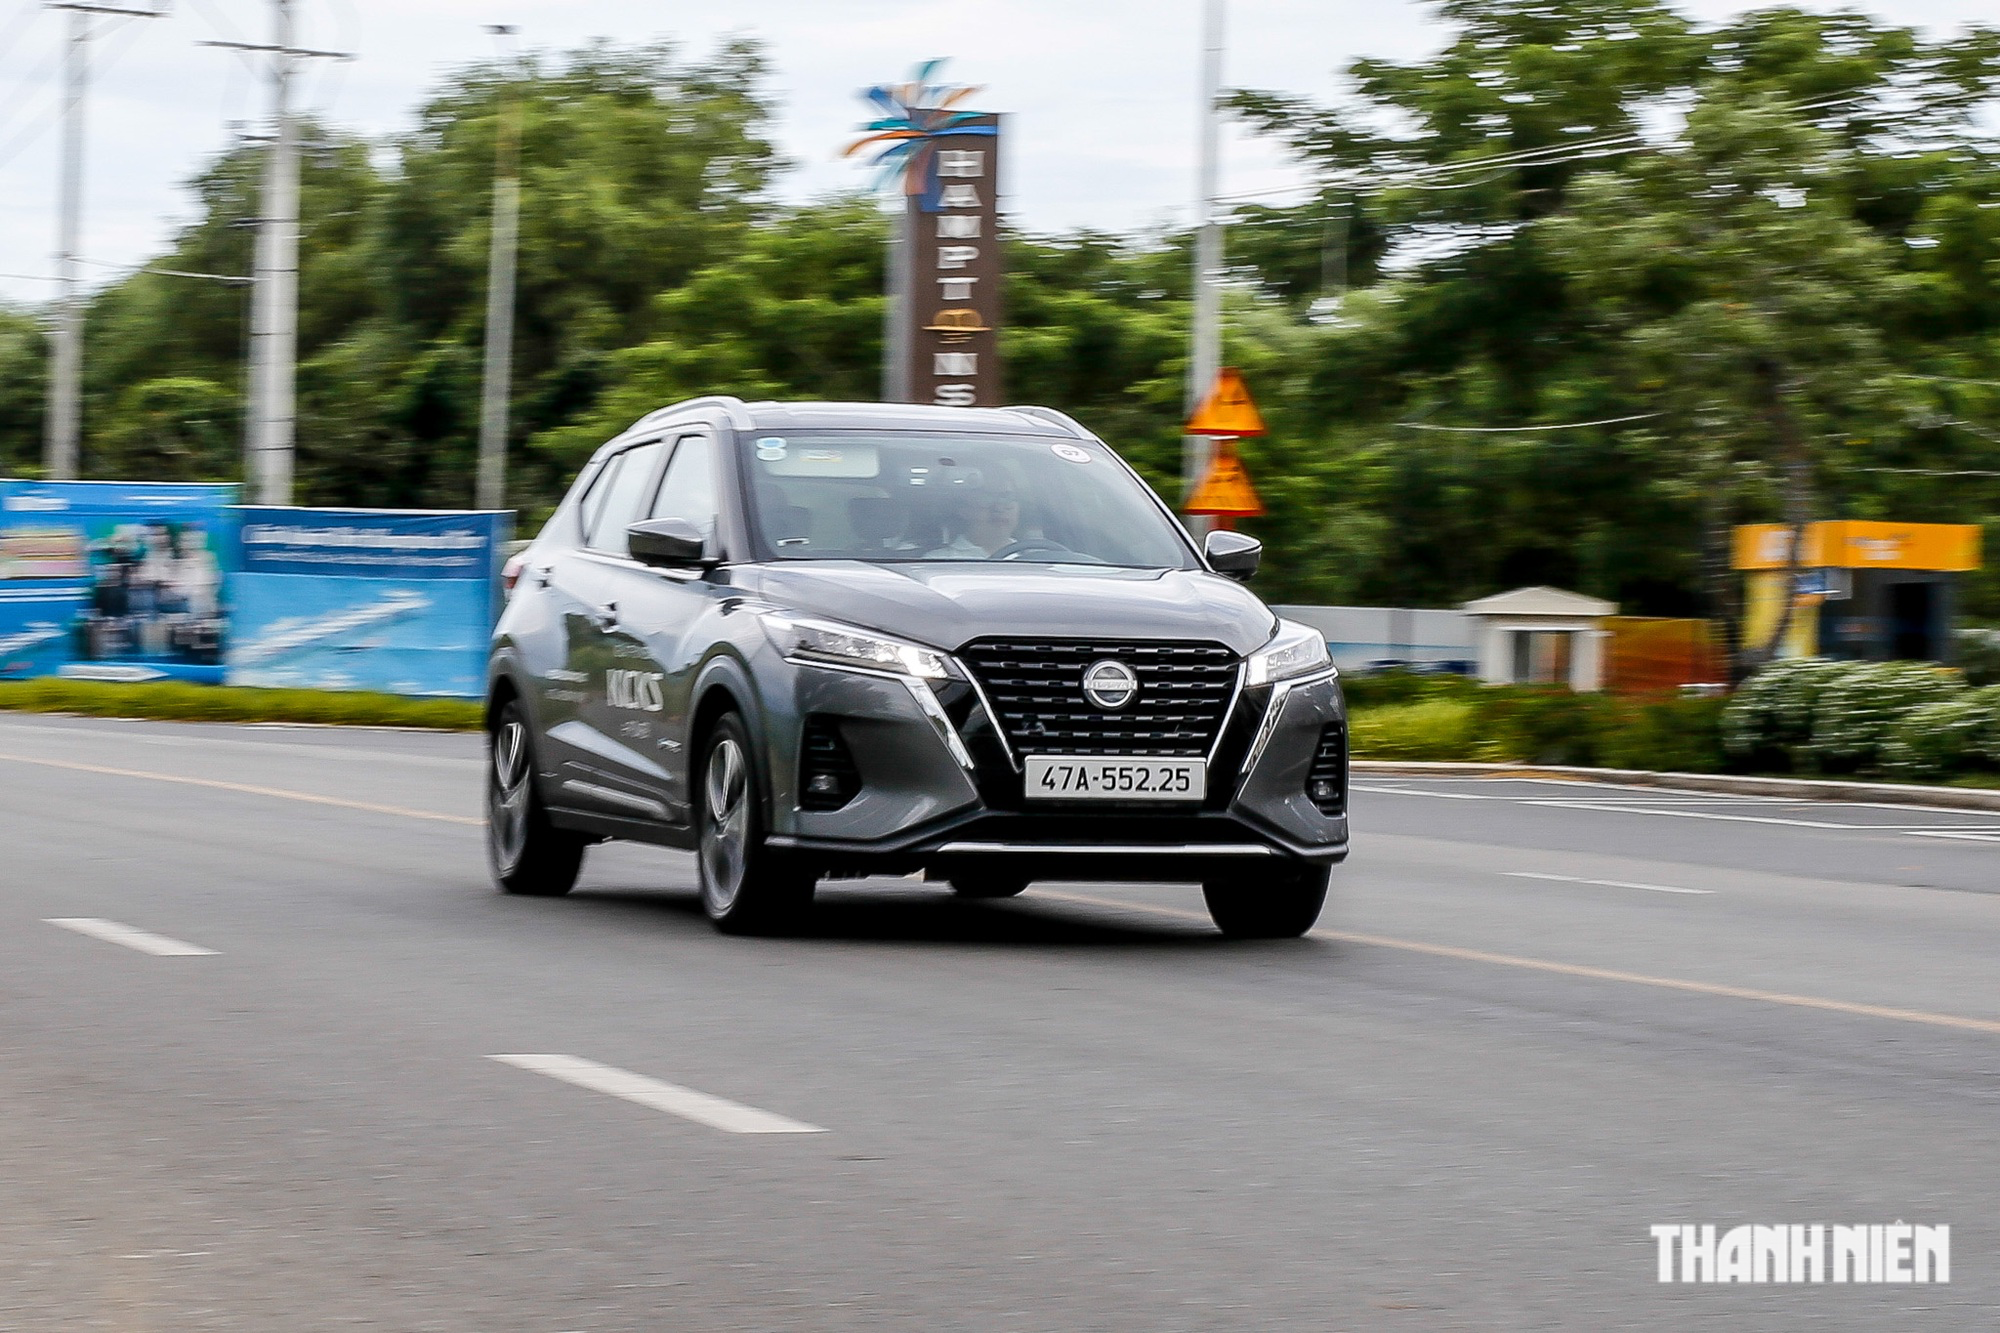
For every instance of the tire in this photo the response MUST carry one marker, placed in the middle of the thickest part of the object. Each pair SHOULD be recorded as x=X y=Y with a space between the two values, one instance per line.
x=1262 y=905
x=988 y=884
x=528 y=855
x=746 y=888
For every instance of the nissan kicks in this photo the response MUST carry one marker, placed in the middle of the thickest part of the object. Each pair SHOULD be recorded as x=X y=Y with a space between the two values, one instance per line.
x=821 y=639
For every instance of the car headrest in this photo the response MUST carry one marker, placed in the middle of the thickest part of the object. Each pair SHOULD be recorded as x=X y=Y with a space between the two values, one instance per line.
x=787 y=522
x=878 y=520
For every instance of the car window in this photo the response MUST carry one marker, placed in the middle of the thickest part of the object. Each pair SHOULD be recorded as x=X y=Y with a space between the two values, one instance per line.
x=688 y=492
x=866 y=495
x=593 y=499
x=625 y=494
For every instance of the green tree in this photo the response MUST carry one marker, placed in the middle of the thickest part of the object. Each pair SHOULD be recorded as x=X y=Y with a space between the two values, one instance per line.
x=23 y=391
x=174 y=429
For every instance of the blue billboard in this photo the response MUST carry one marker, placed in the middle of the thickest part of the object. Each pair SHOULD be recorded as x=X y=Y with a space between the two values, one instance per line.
x=114 y=580
x=365 y=599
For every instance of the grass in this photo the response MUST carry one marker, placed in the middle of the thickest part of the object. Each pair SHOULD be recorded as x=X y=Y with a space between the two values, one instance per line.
x=1431 y=729
x=178 y=701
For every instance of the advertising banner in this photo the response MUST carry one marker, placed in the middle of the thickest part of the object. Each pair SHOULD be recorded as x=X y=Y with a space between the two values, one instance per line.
x=360 y=599
x=109 y=580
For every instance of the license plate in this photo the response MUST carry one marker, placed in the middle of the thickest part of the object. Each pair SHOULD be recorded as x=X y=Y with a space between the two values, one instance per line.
x=1053 y=777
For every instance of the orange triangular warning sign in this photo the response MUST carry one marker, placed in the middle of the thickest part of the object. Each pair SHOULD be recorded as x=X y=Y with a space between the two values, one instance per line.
x=1226 y=489
x=1227 y=410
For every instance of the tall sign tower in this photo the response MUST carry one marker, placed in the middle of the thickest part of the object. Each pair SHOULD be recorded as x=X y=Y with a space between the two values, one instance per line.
x=941 y=342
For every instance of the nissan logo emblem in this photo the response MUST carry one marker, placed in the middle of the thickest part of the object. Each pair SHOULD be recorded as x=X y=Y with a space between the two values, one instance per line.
x=1110 y=684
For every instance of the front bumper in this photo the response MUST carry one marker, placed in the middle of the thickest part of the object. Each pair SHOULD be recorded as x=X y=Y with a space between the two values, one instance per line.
x=940 y=791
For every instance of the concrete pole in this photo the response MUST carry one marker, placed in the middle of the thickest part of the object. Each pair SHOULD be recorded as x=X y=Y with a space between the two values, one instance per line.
x=500 y=264
x=62 y=430
x=274 y=313
x=1205 y=354
x=896 y=319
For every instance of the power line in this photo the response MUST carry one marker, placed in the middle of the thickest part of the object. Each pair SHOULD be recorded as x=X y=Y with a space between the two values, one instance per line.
x=1510 y=430
x=1928 y=472
x=1559 y=154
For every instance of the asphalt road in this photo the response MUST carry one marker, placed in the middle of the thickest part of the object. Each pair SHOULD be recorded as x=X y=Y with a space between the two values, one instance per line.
x=1537 y=1019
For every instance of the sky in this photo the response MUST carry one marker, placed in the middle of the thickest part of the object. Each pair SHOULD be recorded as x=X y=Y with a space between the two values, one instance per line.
x=1101 y=95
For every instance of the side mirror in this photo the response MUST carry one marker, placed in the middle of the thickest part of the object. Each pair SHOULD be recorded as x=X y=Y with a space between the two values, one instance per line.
x=1233 y=554
x=667 y=543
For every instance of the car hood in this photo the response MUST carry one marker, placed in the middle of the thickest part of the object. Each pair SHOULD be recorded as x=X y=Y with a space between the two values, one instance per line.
x=948 y=604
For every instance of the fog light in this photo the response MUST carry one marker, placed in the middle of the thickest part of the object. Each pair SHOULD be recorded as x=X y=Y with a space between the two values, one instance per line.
x=828 y=778
x=1326 y=780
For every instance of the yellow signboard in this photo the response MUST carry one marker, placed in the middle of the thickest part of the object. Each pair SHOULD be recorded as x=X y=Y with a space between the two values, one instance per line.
x=1226 y=490
x=1227 y=410
x=1862 y=544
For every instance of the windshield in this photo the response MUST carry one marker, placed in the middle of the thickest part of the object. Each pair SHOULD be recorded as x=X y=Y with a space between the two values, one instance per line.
x=862 y=495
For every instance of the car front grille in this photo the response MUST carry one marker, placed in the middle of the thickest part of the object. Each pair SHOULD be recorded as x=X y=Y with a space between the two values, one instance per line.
x=1035 y=687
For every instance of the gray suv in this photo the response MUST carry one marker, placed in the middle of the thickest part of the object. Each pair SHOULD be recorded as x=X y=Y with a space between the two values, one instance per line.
x=825 y=639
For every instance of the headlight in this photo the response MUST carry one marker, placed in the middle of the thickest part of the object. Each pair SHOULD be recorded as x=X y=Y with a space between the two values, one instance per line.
x=1295 y=650
x=829 y=644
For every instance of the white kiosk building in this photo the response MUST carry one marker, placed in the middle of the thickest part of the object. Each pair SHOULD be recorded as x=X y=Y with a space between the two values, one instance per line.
x=1541 y=636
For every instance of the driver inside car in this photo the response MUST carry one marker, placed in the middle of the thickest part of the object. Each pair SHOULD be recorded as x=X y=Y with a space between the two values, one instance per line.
x=981 y=523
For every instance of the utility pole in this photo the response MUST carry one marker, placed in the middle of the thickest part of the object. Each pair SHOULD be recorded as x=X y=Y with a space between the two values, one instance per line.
x=65 y=411
x=1205 y=354
x=500 y=256
x=274 y=305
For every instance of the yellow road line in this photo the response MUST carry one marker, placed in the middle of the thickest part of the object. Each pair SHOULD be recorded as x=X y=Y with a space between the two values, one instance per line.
x=246 y=789
x=1593 y=973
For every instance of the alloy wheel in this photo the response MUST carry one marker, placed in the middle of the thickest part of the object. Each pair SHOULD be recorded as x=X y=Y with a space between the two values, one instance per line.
x=725 y=835
x=507 y=801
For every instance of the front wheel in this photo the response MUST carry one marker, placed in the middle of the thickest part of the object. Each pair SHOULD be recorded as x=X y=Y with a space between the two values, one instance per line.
x=529 y=855
x=1261 y=905
x=746 y=888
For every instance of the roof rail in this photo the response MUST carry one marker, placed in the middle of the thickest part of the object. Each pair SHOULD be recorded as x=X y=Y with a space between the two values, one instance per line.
x=1049 y=414
x=739 y=416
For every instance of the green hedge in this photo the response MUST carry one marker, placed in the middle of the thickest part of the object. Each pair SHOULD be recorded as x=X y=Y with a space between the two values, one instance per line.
x=1955 y=737
x=1406 y=716
x=1909 y=721
x=183 y=702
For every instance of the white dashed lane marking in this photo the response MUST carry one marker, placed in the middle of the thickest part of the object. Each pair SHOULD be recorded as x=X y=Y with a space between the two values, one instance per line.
x=1601 y=883
x=114 y=932
x=700 y=1107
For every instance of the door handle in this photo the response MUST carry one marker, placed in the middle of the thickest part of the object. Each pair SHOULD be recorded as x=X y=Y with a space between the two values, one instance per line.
x=543 y=573
x=605 y=617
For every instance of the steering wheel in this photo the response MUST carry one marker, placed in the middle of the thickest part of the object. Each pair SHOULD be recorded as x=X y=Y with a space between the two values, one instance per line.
x=1021 y=546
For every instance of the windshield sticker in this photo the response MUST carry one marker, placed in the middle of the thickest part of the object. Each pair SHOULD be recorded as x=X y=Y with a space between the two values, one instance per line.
x=770 y=449
x=1070 y=452
x=853 y=461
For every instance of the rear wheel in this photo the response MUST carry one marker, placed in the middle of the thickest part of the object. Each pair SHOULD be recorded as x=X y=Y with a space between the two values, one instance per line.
x=988 y=884
x=746 y=888
x=1263 y=905
x=528 y=854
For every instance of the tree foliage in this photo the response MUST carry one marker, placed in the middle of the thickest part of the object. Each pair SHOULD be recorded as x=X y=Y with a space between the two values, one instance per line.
x=1766 y=255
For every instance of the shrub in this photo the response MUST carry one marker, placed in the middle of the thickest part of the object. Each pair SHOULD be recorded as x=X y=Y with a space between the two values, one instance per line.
x=1951 y=738
x=1429 y=729
x=1855 y=714
x=1666 y=735
x=1538 y=724
x=1768 y=723
x=1406 y=687
x=1978 y=652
